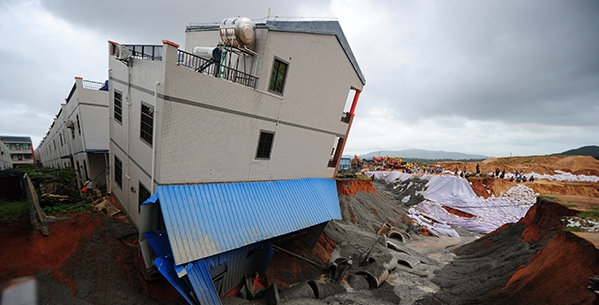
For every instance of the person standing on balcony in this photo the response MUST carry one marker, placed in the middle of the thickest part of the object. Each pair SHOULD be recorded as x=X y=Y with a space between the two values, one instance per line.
x=217 y=56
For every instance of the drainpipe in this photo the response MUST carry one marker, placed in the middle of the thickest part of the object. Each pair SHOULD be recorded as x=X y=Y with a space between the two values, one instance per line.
x=108 y=171
x=154 y=138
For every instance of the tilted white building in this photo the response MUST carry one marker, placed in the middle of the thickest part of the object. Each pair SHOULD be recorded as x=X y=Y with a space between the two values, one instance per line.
x=78 y=137
x=237 y=151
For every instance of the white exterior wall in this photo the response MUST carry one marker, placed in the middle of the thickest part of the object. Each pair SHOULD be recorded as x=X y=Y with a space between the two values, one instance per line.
x=90 y=105
x=125 y=142
x=207 y=129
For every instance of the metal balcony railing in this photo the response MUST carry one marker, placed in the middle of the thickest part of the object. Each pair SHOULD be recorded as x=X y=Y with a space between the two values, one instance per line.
x=147 y=52
x=88 y=84
x=211 y=67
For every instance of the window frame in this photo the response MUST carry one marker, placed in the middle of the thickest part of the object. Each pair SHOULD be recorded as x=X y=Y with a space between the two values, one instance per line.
x=146 y=134
x=118 y=172
x=118 y=113
x=274 y=76
x=142 y=190
x=262 y=152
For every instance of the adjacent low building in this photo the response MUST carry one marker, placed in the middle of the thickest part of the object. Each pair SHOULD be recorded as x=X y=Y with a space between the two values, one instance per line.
x=20 y=150
x=78 y=137
x=225 y=146
x=5 y=157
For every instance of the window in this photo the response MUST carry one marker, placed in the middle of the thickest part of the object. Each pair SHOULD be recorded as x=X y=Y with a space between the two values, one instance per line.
x=143 y=194
x=265 y=145
x=25 y=146
x=118 y=172
x=147 y=123
x=277 y=79
x=61 y=140
x=78 y=125
x=118 y=106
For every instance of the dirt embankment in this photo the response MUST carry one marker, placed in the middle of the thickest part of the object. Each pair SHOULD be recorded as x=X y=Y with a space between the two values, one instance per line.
x=86 y=259
x=577 y=165
x=530 y=262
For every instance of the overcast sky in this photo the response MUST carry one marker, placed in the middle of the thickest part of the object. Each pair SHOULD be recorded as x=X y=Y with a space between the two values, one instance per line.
x=496 y=78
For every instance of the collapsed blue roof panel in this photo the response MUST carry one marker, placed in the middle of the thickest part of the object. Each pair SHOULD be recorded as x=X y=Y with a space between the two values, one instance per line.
x=207 y=219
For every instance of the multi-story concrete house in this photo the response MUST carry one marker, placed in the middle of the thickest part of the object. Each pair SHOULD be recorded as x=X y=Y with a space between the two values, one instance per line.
x=20 y=149
x=5 y=157
x=237 y=136
x=78 y=137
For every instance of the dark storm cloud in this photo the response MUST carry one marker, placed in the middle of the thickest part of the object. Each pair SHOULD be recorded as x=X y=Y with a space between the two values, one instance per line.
x=150 y=21
x=511 y=61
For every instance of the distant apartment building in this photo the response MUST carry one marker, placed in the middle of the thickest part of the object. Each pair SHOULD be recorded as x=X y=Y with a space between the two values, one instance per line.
x=78 y=137
x=229 y=143
x=5 y=157
x=20 y=150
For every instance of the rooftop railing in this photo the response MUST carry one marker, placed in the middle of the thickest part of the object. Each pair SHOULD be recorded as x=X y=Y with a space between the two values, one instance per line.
x=88 y=84
x=211 y=67
x=147 y=52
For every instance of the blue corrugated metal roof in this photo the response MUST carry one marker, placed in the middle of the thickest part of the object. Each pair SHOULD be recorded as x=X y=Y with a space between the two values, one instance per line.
x=206 y=219
x=165 y=266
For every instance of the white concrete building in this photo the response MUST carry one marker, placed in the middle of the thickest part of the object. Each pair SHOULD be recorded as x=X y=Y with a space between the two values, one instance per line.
x=218 y=151
x=20 y=150
x=274 y=111
x=78 y=137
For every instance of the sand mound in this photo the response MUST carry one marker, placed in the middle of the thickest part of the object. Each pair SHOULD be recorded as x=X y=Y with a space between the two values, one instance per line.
x=530 y=262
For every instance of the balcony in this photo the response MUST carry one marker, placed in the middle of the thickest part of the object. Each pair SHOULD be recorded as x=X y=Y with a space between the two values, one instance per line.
x=213 y=68
x=346 y=117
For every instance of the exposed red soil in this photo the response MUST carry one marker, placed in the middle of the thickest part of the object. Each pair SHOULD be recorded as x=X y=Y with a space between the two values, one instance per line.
x=24 y=251
x=578 y=165
x=458 y=212
x=559 y=272
x=285 y=269
x=543 y=219
x=479 y=186
x=351 y=187
x=84 y=254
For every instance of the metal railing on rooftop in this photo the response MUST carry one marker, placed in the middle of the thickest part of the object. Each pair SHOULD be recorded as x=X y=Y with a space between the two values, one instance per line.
x=147 y=52
x=88 y=84
x=211 y=67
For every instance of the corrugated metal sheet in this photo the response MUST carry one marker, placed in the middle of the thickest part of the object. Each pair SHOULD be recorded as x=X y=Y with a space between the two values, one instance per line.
x=206 y=219
x=159 y=242
x=199 y=277
x=245 y=261
x=165 y=266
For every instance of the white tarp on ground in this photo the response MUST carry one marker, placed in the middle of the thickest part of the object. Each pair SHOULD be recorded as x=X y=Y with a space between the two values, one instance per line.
x=456 y=193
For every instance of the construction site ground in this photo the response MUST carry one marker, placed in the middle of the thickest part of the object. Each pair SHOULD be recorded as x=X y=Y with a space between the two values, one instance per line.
x=94 y=258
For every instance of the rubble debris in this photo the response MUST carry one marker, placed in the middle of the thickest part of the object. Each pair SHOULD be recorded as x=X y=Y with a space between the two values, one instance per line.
x=106 y=207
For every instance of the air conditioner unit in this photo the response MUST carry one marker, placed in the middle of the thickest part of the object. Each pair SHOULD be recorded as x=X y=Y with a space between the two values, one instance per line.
x=122 y=52
x=70 y=124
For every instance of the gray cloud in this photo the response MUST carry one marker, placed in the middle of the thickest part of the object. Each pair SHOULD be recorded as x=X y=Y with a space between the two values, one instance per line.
x=488 y=77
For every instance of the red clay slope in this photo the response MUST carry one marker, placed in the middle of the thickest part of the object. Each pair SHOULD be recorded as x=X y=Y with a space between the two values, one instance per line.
x=559 y=272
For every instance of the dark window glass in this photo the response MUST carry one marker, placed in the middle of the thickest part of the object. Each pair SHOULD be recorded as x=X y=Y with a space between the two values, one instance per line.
x=277 y=78
x=118 y=172
x=143 y=194
x=118 y=106
x=147 y=123
x=265 y=145
x=78 y=125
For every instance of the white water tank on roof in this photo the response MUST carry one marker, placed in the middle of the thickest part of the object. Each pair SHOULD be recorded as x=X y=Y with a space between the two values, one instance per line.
x=238 y=32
